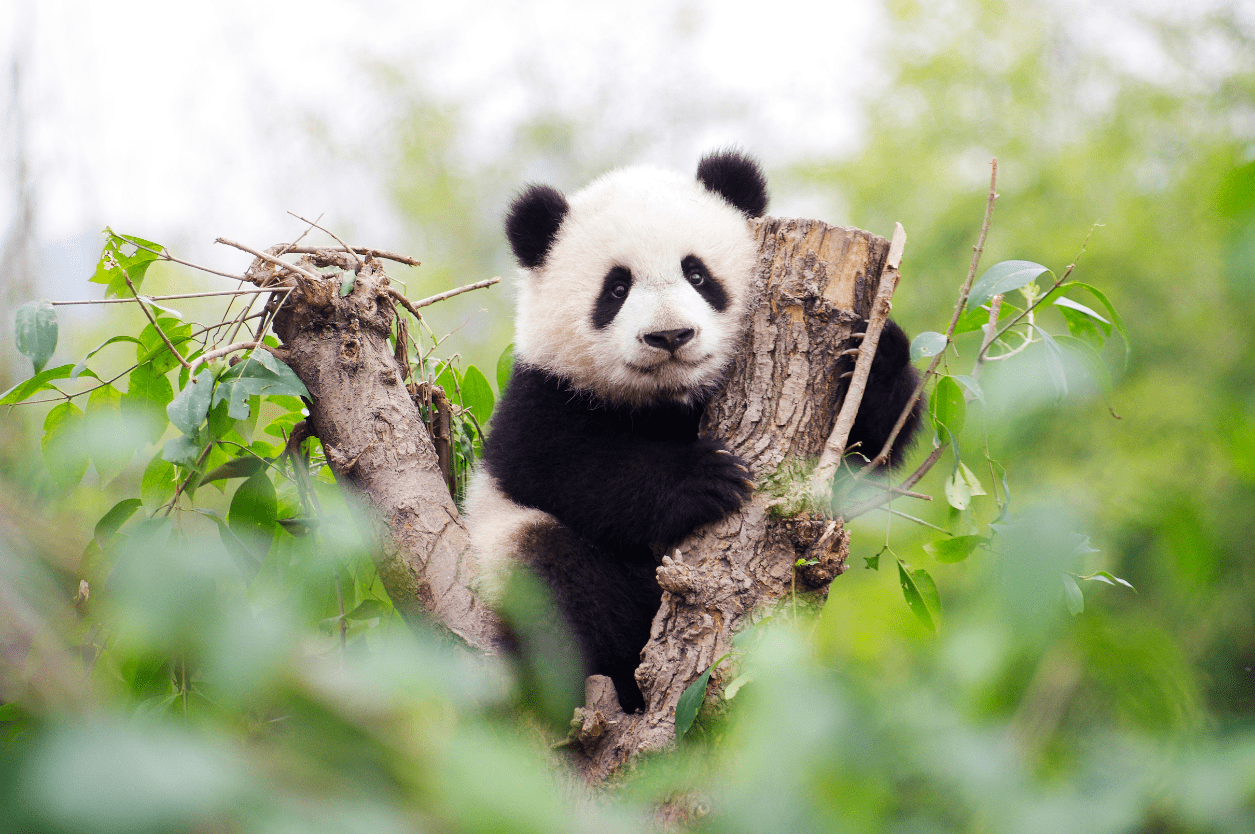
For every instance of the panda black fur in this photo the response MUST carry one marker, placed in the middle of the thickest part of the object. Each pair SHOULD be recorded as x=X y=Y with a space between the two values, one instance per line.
x=631 y=306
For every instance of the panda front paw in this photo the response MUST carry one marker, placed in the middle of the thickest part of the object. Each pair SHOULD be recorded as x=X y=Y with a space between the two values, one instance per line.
x=715 y=484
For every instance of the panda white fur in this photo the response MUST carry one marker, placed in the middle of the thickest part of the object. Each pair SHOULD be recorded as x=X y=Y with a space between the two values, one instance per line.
x=631 y=306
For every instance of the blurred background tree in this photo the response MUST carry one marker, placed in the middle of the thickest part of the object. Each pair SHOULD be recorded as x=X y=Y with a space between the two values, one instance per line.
x=1133 y=715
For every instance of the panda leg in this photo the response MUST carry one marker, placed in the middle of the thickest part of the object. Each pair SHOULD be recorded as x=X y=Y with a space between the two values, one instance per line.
x=607 y=601
x=889 y=388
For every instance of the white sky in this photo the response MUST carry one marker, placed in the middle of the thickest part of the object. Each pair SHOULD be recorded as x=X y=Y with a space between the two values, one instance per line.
x=182 y=122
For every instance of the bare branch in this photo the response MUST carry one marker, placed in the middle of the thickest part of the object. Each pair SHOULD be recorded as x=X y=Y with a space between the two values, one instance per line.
x=478 y=285
x=156 y=326
x=347 y=248
x=834 y=449
x=979 y=248
x=369 y=253
x=142 y=298
x=218 y=353
x=271 y=259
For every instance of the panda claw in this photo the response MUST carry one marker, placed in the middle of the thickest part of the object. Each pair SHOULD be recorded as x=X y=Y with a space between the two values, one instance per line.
x=723 y=452
x=846 y=375
x=851 y=352
x=857 y=335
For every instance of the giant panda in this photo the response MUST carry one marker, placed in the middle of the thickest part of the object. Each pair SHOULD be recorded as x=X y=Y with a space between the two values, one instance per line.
x=631 y=305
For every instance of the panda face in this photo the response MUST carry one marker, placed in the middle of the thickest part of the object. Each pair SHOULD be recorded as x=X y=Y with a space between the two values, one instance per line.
x=636 y=289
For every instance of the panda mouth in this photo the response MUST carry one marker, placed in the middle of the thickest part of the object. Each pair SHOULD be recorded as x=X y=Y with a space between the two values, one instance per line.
x=672 y=362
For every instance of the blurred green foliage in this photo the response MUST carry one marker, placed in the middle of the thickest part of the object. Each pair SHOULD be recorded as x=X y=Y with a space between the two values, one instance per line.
x=179 y=695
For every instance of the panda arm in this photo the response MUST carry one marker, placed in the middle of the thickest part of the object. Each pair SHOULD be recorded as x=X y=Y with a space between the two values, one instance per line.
x=889 y=388
x=599 y=474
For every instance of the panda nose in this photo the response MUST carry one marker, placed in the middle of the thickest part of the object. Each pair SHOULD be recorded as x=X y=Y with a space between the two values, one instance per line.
x=669 y=340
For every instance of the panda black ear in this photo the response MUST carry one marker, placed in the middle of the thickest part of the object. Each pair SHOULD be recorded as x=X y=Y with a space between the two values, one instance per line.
x=533 y=222
x=736 y=177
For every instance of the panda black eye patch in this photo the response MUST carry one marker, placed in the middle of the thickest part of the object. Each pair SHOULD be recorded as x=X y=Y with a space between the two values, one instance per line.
x=614 y=291
x=707 y=286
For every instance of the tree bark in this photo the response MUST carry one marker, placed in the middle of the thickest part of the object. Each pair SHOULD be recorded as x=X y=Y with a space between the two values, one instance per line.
x=813 y=288
x=377 y=444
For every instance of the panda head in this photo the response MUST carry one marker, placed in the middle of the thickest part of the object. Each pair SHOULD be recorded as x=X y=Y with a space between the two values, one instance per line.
x=635 y=288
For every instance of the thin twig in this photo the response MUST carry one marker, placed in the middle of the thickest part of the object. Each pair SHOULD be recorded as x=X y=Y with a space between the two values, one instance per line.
x=427 y=302
x=901 y=514
x=347 y=248
x=995 y=308
x=271 y=259
x=218 y=353
x=881 y=458
x=151 y=298
x=834 y=449
x=165 y=255
x=370 y=253
x=879 y=500
x=1067 y=273
x=156 y=326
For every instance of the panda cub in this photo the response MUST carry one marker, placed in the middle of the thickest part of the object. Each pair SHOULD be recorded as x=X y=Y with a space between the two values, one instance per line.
x=631 y=306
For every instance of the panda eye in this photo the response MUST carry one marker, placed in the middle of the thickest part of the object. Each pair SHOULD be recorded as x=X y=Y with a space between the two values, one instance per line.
x=619 y=291
x=697 y=278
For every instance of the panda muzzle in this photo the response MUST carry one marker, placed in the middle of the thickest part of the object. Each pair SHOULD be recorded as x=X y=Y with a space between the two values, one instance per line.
x=669 y=340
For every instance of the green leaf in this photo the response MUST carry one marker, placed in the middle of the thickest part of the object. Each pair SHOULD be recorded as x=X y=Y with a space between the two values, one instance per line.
x=64 y=445
x=729 y=691
x=958 y=493
x=260 y=373
x=41 y=381
x=347 y=280
x=183 y=450
x=873 y=562
x=690 y=702
x=929 y=343
x=1072 y=595
x=920 y=593
x=148 y=392
x=368 y=609
x=81 y=366
x=1002 y=278
x=973 y=483
x=947 y=406
x=187 y=411
x=1111 y=311
x=1104 y=576
x=152 y=348
x=451 y=382
x=113 y=520
x=974 y=318
x=954 y=549
x=477 y=394
x=36 y=332
x=240 y=553
x=505 y=367
x=158 y=485
x=972 y=389
x=122 y=257
x=1084 y=323
x=1095 y=368
x=245 y=466
x=112 y=440
x=1054 y=363
x=252 y=513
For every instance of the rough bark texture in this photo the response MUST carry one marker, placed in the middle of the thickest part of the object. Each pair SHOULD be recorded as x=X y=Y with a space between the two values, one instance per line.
x=814 y=283
x=377 y=443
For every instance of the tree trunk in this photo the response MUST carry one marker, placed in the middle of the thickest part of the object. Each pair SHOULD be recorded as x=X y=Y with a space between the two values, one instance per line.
x=814 y=285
